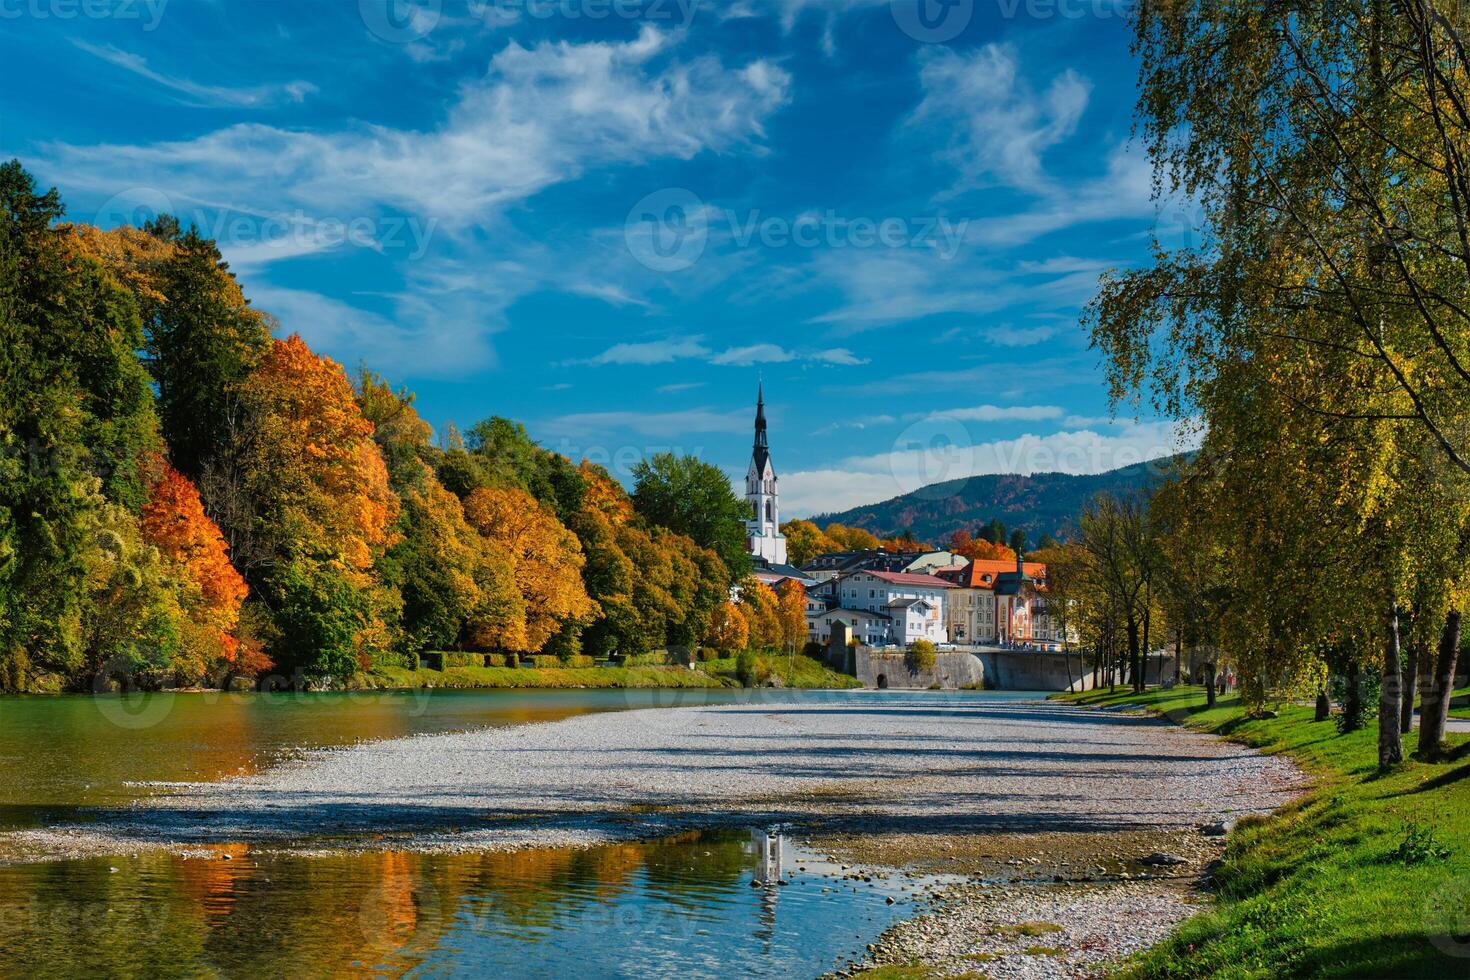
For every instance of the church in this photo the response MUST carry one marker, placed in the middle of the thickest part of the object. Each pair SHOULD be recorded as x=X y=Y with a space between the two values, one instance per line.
x=763 y=530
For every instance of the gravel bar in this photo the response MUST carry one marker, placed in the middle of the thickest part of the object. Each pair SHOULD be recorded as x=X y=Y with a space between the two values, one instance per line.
x=865 y=761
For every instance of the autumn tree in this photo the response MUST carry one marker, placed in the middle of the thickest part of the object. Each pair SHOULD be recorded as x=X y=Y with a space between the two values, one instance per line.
x=791 y=608
x=728 y=630
x=447 y=573
x=805 y=541
x=851 y=538
x=212 y=591
x=320 y=508
x=761 y=609
x=76 y=415
x=547 y=561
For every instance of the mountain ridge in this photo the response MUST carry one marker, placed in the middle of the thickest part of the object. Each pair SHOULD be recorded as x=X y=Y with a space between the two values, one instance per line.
x=1039 y=503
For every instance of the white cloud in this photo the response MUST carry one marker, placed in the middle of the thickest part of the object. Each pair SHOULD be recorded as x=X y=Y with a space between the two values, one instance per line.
x=650 y=352
x=1001 y=127
x=540 y=116
x=862 y=480
x=422 y=338
x=1009 y=336
x=664 y=351
x=242 y=97
x=999 y=413
x=674 y=389
x=754 y=354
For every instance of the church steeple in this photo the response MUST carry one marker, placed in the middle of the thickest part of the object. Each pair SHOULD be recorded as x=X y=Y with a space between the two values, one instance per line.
x=760 y=452
x=763 y=529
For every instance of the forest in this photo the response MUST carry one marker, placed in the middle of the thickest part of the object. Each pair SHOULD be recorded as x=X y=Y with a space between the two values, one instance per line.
x=190 y=495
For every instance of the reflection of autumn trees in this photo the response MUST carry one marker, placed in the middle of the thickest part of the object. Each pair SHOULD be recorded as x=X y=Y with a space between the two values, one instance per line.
x=262 y=915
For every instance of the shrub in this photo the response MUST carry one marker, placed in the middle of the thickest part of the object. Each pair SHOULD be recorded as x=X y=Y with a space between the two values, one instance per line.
x=921 y=656
x=452 y=659
x=752 y=668
x=494 y=660
x=577 y=660
x=545 y=660
x=707 y=654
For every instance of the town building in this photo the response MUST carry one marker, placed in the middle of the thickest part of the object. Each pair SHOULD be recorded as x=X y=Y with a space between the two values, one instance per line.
x=763 y=528
x=1001 y=603
x=912 y=605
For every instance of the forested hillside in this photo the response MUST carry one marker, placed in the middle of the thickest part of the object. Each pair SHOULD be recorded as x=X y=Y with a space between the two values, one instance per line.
x=1040 y=504
x=189 y=494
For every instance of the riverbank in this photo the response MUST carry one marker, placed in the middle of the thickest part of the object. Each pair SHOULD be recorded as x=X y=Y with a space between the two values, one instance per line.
x=773 y=670
x=1365 y=875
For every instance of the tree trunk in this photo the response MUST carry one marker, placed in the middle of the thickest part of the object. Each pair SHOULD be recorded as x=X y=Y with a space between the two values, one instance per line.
x=1390 y=739
x=1410 y=683
x=1352 y=705
x=1178 y=657
x=1324 y=706
x=1148 y=644
x=1435 y=706
x=1133 y=672
x=1209 y=684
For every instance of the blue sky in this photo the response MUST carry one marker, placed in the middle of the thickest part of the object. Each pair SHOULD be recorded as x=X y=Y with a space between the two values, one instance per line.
x=609 y=218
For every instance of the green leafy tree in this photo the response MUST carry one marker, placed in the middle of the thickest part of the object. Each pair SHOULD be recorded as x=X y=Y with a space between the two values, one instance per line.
x=694 y=498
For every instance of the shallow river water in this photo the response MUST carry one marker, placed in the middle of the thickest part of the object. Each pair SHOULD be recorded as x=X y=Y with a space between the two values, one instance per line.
x=682 y=907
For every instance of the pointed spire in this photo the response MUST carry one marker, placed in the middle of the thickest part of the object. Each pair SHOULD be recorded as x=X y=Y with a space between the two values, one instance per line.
x=758 y=451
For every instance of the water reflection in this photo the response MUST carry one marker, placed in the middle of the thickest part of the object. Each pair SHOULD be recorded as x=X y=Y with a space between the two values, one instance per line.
x=683 y=906
x=58 y=753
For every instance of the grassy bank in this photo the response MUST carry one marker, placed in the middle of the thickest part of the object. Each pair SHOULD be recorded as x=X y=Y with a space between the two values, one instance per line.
x=538 y=677
x=796 y=671
x=1364 y=876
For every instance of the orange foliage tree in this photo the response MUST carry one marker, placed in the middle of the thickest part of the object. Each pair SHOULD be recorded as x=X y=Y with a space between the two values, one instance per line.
x=791 y=610
x=978 y=549
x=320 y=506
x=174 y=522
x=548 y=564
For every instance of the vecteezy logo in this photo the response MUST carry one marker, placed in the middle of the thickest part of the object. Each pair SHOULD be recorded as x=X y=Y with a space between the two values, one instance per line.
x=929 y=452
x=136 y=206
x=1447 y=918
x=667 y=230
x=932 y=21
x=400 y=21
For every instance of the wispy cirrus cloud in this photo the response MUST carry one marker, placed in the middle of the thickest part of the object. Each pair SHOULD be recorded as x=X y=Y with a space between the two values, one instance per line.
x=196 y=94
x=540 y=116
x=695 y=348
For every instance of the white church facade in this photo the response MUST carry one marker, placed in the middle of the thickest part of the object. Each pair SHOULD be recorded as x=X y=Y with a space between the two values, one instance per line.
x=763 y=529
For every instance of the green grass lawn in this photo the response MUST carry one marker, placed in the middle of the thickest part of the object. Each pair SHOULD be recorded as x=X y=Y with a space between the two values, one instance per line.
x=1460 y=710
x=795 y=670
x=1353 y=880
x=539 y=677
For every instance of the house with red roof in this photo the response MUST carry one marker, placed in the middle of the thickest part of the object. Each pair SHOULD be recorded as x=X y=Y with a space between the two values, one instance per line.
x=1003 y=603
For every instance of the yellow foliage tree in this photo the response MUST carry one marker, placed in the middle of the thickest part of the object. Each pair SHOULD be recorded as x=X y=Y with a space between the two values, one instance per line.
x=548 y=564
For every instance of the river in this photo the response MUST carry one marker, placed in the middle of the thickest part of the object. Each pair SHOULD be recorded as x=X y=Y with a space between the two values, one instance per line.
x=683 y=907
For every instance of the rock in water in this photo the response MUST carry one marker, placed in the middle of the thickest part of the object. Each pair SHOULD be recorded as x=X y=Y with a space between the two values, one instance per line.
x=1164 y=858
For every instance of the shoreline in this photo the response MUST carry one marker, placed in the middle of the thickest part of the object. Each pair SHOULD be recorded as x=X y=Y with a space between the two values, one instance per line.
x=1041 y=817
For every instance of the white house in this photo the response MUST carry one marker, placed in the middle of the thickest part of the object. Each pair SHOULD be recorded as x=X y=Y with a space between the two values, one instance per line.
x=913 y=604
x=868 y=628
